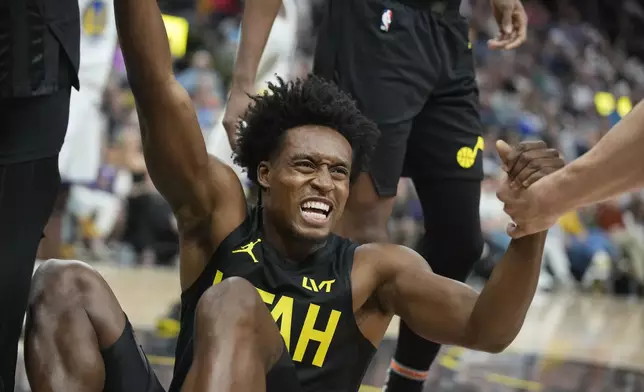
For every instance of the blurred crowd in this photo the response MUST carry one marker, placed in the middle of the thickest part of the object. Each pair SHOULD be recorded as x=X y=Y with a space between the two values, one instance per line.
x=575 y=78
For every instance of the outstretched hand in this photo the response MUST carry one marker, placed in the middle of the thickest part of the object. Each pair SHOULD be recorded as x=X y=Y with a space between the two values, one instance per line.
x=513 y=24
x=524 y=199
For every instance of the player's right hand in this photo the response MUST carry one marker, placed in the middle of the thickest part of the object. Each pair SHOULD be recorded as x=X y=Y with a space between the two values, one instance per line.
x=529 y=161
x=523 y=192
x=236 y=107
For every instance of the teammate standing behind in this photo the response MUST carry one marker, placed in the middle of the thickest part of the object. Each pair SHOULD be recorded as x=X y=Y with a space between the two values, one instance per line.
x=278 y=59
x=39 y=55
x=409 y=66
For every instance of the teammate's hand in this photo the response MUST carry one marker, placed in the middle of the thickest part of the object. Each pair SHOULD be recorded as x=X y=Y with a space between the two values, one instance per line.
x=513 y=24
x=522 y=194
x=236 y=106
x=528 y=162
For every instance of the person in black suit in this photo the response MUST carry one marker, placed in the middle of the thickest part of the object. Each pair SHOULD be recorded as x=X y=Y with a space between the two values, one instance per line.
x=39 y=58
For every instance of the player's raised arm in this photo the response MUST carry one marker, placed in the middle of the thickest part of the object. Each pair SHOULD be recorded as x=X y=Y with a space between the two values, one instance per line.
x=195 y=185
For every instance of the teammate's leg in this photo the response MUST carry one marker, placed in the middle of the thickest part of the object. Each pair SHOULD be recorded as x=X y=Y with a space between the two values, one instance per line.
x=372 y=195
x=444 y=161
x=77 y=336
x=29 y=183
x=236 y=341
x=452 y=244
x=379 y=66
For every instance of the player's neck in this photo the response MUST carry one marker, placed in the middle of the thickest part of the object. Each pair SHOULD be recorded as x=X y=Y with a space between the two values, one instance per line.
x=292 y=249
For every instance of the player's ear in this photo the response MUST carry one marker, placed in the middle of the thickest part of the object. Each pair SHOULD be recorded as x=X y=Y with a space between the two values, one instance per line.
x=263 y=174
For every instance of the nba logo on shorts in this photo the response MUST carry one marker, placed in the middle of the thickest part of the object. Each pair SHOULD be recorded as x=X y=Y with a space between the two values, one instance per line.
x=385 y=20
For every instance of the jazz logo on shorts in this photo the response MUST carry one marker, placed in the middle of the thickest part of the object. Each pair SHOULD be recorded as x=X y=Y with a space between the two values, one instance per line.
x=385 y=20
x=466 y=156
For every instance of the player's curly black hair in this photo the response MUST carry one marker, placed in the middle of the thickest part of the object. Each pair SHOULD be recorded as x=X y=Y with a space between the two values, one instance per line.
x=308 y=101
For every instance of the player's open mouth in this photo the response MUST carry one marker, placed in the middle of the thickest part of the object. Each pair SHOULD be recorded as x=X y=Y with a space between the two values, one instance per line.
x=316 y=212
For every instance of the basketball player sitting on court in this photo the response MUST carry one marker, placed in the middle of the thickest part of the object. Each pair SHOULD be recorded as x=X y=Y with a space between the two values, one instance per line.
x=271 y=300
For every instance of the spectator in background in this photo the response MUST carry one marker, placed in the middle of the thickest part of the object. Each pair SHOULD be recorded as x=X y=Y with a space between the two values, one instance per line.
x=493 y=220
x=405 y=225
x=200 y=73
x=610 y=218
x=150 y=229
x=556 y=258
x=80 y=156
x=590 y=251
x=207 y=104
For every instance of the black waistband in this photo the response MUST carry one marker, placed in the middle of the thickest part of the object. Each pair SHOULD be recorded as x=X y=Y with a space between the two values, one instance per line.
x=437 y=6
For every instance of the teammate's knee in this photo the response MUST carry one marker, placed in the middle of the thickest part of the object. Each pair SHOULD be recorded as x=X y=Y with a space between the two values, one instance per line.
x=365 y=224
x=367 y=233
x=366 y=214
x=453 y=256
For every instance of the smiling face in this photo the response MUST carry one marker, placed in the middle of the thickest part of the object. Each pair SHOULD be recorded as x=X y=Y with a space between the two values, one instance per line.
x=306 y=185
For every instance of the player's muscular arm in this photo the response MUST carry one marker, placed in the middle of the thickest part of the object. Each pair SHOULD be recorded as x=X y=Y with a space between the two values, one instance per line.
x=447 y=311
x=203 y=192
x=450 y=312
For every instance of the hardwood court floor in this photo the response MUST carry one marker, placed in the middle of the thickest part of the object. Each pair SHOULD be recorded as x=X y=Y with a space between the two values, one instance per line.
x=569 y=343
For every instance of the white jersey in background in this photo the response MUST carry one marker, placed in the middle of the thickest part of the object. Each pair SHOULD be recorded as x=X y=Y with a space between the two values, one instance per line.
x=81 y=153
x=277 y=59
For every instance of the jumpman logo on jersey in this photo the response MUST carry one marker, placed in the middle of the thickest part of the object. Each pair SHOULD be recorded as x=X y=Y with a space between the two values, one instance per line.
x=248 y=248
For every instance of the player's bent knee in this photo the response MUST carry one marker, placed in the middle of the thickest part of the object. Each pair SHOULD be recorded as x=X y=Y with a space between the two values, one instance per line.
x=234 y=312
x=365 y=220
x=62 y=284
x=235 y=297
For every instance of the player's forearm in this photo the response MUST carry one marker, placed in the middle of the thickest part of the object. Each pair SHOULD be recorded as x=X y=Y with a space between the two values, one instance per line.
x=615 y=165
x=257 y=22
x=144 y=43
x=500 y=309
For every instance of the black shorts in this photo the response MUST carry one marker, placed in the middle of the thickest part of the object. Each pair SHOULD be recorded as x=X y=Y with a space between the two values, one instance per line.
x=283 y=375
x=33 y=127
x=128 y=369
x=410 y=68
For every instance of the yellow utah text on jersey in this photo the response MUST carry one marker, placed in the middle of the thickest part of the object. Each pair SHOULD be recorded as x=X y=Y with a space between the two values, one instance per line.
x=248 y=248
x=310 y=284
x=282 y=312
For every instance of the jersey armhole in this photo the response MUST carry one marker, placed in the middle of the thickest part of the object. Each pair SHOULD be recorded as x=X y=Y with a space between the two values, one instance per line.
x=349 y=254
x=237 y=236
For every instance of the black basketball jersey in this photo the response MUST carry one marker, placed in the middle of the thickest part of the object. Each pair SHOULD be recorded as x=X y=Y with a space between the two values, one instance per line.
x=311 y=303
